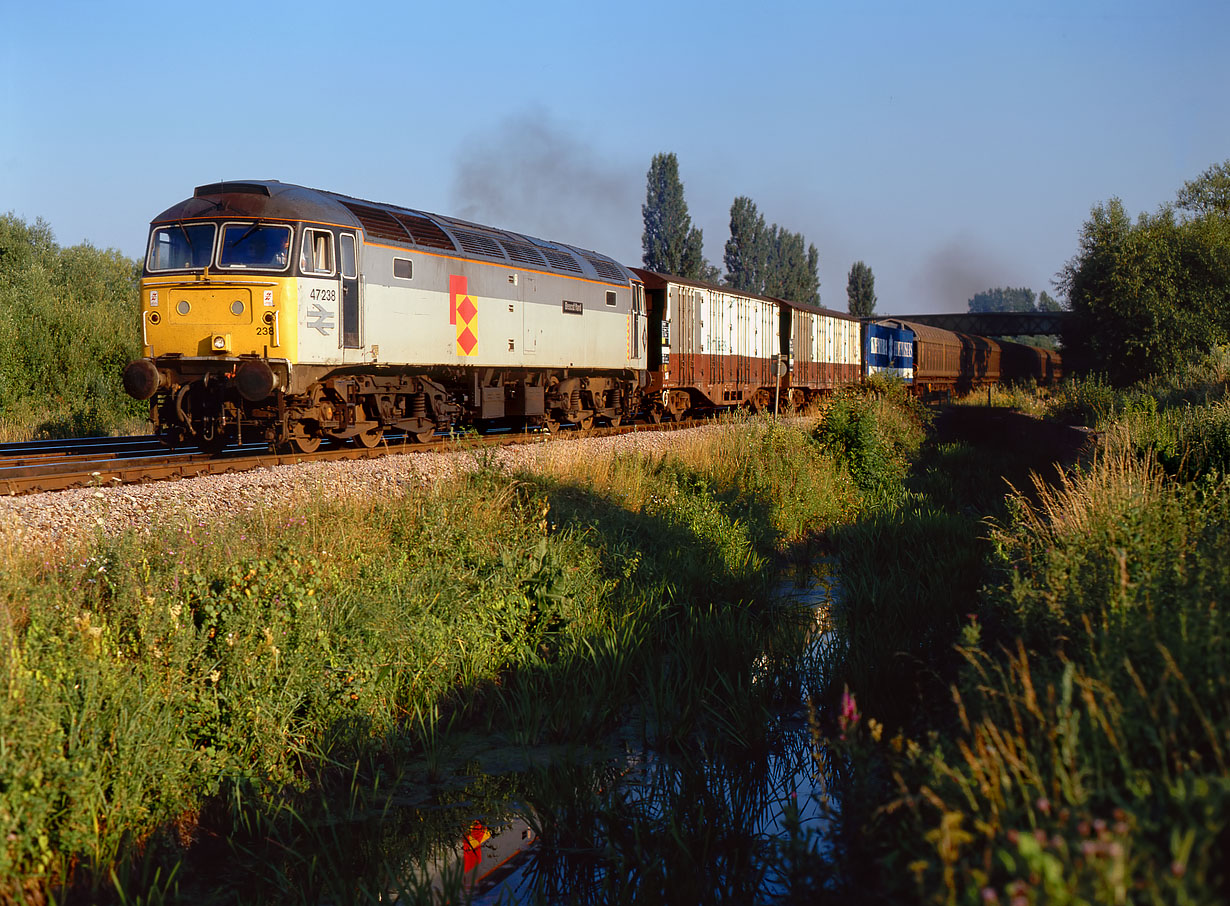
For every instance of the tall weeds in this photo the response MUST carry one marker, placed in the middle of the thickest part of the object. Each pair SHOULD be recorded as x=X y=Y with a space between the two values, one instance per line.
x=1080 y=752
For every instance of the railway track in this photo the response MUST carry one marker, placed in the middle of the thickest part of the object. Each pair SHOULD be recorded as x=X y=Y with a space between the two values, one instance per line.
x=40 y=466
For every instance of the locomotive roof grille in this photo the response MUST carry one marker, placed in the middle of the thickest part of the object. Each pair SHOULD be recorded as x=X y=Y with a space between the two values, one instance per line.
x=605 y=268
x=379 y=224
x=561 y=260
x=424 y=231
x=523 y=252
x=478 y=244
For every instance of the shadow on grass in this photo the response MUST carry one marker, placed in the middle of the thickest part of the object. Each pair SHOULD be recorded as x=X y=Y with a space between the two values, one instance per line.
x=694 y=662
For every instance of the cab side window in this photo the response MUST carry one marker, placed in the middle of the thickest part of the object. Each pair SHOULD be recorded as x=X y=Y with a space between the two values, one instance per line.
x=349 y=262
x=316 y=253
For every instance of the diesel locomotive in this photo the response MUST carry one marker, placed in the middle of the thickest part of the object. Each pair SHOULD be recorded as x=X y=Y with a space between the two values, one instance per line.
x=290 y=315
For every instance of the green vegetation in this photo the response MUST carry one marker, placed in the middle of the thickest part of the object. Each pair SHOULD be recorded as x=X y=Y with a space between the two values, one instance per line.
x=1151 y=296
x=671 y=245
x=69 y=323
x=769 y=260
x=1011 y=299
x=1035 y=707
x=219 y=682
x=861 y=290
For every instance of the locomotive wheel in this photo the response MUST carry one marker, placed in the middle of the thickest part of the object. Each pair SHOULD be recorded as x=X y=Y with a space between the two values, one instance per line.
x=305 y=443
x=586 y=422
x=655 y=416
x=425 y=436
x=369 y=439
x=615 y=421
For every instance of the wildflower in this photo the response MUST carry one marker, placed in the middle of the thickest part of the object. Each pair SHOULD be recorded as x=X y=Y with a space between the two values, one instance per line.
x=989 y=895
x=1043 y=805
x=849 y=716
x=214 y=676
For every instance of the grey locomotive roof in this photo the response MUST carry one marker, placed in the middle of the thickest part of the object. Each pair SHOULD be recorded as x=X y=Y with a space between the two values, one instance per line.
x=388 y=223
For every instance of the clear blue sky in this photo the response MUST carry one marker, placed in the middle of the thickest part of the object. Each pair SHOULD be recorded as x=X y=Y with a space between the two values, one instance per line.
x=952 y=146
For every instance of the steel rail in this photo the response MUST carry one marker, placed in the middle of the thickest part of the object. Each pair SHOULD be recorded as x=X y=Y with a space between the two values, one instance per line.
x=62 y=471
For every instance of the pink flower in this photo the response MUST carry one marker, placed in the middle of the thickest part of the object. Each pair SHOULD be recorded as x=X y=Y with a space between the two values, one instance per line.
x=849 y=711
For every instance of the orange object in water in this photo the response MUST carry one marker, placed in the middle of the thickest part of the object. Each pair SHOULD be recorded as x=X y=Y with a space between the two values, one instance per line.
x=472 y=845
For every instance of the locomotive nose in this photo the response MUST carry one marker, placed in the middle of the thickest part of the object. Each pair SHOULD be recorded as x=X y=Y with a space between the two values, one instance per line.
x=141 y=379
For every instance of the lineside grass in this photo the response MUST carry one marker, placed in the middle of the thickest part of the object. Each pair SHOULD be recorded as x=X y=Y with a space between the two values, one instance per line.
x=1066 y=722
x=216 y=682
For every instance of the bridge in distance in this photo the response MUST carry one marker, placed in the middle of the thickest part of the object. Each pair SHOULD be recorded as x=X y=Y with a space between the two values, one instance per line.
x=994 y=323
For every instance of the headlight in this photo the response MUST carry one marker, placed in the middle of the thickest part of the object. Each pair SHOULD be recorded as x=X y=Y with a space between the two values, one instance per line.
x=221 y=342
x=237 y=307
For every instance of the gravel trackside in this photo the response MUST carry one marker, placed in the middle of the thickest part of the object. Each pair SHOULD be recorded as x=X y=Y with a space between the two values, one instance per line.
x=66 y=519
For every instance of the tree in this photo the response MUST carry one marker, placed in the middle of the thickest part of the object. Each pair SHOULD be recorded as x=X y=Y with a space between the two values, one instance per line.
x=770 y=261
x=1148 y=296
x=747 y=250
x=670 y=244
x=1003 y=299
x=69 y=322
x=861 y=290
x=1046 y=303
x=1208 y=193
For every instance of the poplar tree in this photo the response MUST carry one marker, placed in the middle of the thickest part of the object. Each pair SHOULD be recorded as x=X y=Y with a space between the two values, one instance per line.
x=861 y=290
x=670 y=244
x=747 y=252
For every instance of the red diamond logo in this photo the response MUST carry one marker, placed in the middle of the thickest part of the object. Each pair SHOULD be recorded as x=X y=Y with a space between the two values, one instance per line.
x=466 y=341
x=466 y=309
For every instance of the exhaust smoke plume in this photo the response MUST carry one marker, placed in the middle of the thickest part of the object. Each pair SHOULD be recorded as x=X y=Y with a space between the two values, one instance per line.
x=529 y=175
x=955 y=272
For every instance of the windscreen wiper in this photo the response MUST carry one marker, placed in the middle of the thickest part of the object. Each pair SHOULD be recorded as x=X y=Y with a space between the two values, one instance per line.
x=248 y=232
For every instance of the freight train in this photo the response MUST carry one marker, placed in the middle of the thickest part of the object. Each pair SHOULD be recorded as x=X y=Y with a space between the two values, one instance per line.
x=293 y=316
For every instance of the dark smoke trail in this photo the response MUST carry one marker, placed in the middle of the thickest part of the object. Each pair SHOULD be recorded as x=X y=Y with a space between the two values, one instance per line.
x=530 y=175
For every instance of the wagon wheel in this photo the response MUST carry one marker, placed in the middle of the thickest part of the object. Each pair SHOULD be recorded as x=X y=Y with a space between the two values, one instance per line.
x=615 y=421
x=426 y=436
x=586 y=422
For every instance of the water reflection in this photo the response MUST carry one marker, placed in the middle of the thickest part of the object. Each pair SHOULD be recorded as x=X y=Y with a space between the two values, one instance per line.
x=721 y=817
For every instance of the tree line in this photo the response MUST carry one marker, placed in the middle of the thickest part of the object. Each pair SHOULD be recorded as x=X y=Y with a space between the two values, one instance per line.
x=69 y=323
x=760 y=258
